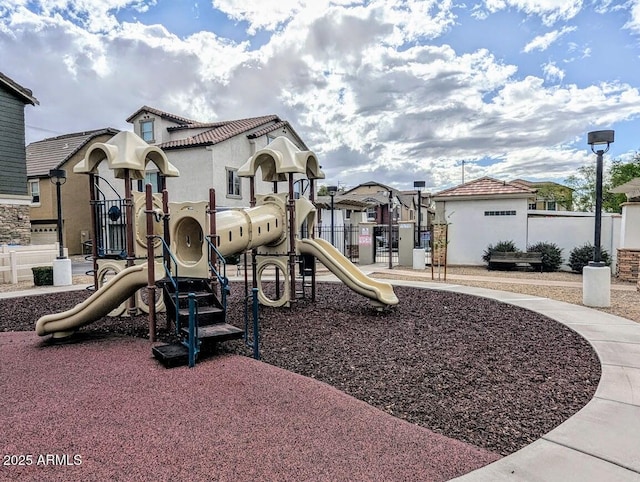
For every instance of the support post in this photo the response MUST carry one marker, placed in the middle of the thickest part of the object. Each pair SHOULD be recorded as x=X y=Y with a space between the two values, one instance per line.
x=151 y=275
x=94 y=228
x=292 y=240
x=129 y=233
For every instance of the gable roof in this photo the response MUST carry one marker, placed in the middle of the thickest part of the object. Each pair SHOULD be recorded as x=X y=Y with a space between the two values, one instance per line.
x=370 y=184
x=47 y=154
x=22 y=92
x=539 y=184
x=486 y=187
x=165 y=115
x=210 y=133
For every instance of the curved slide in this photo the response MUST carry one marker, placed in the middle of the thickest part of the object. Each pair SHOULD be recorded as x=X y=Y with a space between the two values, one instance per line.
x=117 y=290
x=347 y=272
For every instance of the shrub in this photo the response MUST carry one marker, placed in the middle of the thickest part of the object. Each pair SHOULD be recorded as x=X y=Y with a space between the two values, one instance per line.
x=551 y=255
x=503 y=246
x=42 y=275
x=581 y=255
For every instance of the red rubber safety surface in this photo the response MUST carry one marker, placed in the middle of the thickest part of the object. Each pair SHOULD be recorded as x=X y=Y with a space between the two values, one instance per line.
x=107 y=410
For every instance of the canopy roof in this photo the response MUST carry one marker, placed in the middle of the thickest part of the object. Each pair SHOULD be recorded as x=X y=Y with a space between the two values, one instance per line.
x=124 y=151
x=280 y=158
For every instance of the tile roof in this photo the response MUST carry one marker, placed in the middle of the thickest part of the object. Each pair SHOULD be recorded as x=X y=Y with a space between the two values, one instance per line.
x=216 y=131
x=47 y=154
x=166 y=115
x=487 y=186
x=220 y=131
x=23 y=92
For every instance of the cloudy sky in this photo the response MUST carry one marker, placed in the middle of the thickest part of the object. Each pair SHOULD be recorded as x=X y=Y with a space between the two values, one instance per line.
x=385 y=90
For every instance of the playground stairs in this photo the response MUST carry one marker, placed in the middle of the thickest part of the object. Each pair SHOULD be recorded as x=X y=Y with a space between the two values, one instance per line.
x=211 y=326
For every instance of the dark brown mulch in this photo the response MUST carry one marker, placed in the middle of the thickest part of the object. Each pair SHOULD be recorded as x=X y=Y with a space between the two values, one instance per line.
x=490 y=374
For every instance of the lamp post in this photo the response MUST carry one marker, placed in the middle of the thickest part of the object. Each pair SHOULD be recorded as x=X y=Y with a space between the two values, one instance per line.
x=390 y=237
x=62 y=273
x=59 y=177
x=332 y=192
x=596 y=278
x=419 y=185
x=599 y=138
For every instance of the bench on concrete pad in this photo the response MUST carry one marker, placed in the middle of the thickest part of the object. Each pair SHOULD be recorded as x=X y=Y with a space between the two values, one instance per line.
x=515 y=257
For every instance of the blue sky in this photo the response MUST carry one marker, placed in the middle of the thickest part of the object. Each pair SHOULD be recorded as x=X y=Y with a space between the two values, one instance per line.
x=392 y=91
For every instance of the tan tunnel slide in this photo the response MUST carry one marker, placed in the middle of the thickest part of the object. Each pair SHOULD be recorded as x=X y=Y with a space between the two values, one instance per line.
x=117 y=290
x=347 y=272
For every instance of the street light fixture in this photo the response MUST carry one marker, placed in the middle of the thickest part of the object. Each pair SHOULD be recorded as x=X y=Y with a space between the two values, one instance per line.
x=599 y=138
x=59 y=177
x=419 y=185
x=332 y=192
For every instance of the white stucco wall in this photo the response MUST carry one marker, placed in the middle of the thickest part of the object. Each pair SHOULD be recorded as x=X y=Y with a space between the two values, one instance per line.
x=569 y=230
x=470 y=231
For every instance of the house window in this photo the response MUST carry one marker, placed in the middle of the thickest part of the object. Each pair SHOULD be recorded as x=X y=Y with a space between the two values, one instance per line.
x=233 y=183
x=152 y=178
x=347 y=214
x=34 y=189
x=551 y=205
x=499 y=213
x=532 y=206
x=371 y=214
x=146 y=130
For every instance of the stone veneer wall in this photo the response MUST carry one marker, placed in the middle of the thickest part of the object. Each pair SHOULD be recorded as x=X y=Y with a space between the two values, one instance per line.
x=628 y=264
x=439 y=244
x=15 y=225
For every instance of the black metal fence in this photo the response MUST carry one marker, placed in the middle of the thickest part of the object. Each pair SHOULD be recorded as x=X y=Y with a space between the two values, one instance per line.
x=345 y=238
x=111 y=224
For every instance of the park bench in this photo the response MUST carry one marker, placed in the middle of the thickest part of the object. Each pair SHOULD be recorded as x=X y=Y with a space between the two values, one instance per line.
x=513 y=257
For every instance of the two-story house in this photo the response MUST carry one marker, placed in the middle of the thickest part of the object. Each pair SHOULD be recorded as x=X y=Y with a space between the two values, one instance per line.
x=62 y=152
x=208 y=154
x=14 y=198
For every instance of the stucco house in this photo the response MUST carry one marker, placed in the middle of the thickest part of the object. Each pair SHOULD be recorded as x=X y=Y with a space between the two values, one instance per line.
x=498 y=212
x=208 y=154
x=14 y=198
x=403 y=204
x=61 y=152
x=550 y=196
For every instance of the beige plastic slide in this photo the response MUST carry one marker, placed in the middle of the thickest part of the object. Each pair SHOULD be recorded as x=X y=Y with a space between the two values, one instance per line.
x=108 y=297
x=347 y=272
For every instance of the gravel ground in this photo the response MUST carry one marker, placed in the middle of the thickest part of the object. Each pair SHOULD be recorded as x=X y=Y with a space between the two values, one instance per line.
x=625 y=297
x=493 y=375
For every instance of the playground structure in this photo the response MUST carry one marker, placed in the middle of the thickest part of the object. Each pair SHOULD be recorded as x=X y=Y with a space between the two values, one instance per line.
x=180 y=247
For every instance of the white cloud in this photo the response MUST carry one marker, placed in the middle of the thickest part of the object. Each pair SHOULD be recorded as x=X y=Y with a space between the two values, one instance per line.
x=634 y=13
x=543 y=42
x=550 y=11
x=358 y=82
x=552 y=72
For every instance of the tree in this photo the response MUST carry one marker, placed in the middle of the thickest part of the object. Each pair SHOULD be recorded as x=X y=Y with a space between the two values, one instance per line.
x=621 y=173
x=583 y=184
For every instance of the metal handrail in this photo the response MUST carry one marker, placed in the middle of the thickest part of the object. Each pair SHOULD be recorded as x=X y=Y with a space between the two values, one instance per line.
x=193 y=343
x=173 y=278
x=222 y=279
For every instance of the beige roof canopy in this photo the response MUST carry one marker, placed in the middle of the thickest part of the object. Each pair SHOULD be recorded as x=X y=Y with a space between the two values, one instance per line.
x=630 y=188
x=280 y=158
x=123 y=151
